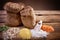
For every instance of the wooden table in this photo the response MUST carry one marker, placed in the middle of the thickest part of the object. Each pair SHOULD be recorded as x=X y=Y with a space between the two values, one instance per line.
x=48 y=17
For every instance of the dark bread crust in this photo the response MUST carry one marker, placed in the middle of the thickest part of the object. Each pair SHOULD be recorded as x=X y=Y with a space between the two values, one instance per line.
x=13 y=20
x=13 y=7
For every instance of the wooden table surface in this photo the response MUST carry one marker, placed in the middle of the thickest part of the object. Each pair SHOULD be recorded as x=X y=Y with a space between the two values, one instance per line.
x=49 y=17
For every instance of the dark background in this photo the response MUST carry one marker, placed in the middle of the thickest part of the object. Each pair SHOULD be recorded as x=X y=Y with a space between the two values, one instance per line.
x=36 y=4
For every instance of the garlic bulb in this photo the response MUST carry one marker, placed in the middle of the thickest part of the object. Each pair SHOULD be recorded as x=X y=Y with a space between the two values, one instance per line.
x=10 y=33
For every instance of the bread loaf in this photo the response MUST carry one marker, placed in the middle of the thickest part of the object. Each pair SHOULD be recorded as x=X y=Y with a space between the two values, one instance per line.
x=28 y=17
x=13 y=7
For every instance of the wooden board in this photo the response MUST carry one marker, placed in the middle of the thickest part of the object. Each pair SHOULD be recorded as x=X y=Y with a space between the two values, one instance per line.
x=54 y=36
x=48 y=17
x=46 y=12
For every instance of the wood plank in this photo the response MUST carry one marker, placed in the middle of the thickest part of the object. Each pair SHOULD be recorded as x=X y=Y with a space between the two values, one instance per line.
x=2 y=20
x=46 y=12
x=53 y=36
x=52 y=24
x=48 y=18
x=2 y=24
x=38 y=12
x=2 y=12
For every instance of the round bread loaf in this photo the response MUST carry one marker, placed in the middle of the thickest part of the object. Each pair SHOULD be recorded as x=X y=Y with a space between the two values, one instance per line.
x=28 y=17
x=13 y=7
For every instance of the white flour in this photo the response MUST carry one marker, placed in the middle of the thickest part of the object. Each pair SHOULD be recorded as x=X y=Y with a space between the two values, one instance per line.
x=38 y=32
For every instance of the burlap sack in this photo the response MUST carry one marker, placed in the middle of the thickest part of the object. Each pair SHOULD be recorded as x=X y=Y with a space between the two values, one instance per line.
x=28 y=17
x=13 y=19
x=13 y=7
